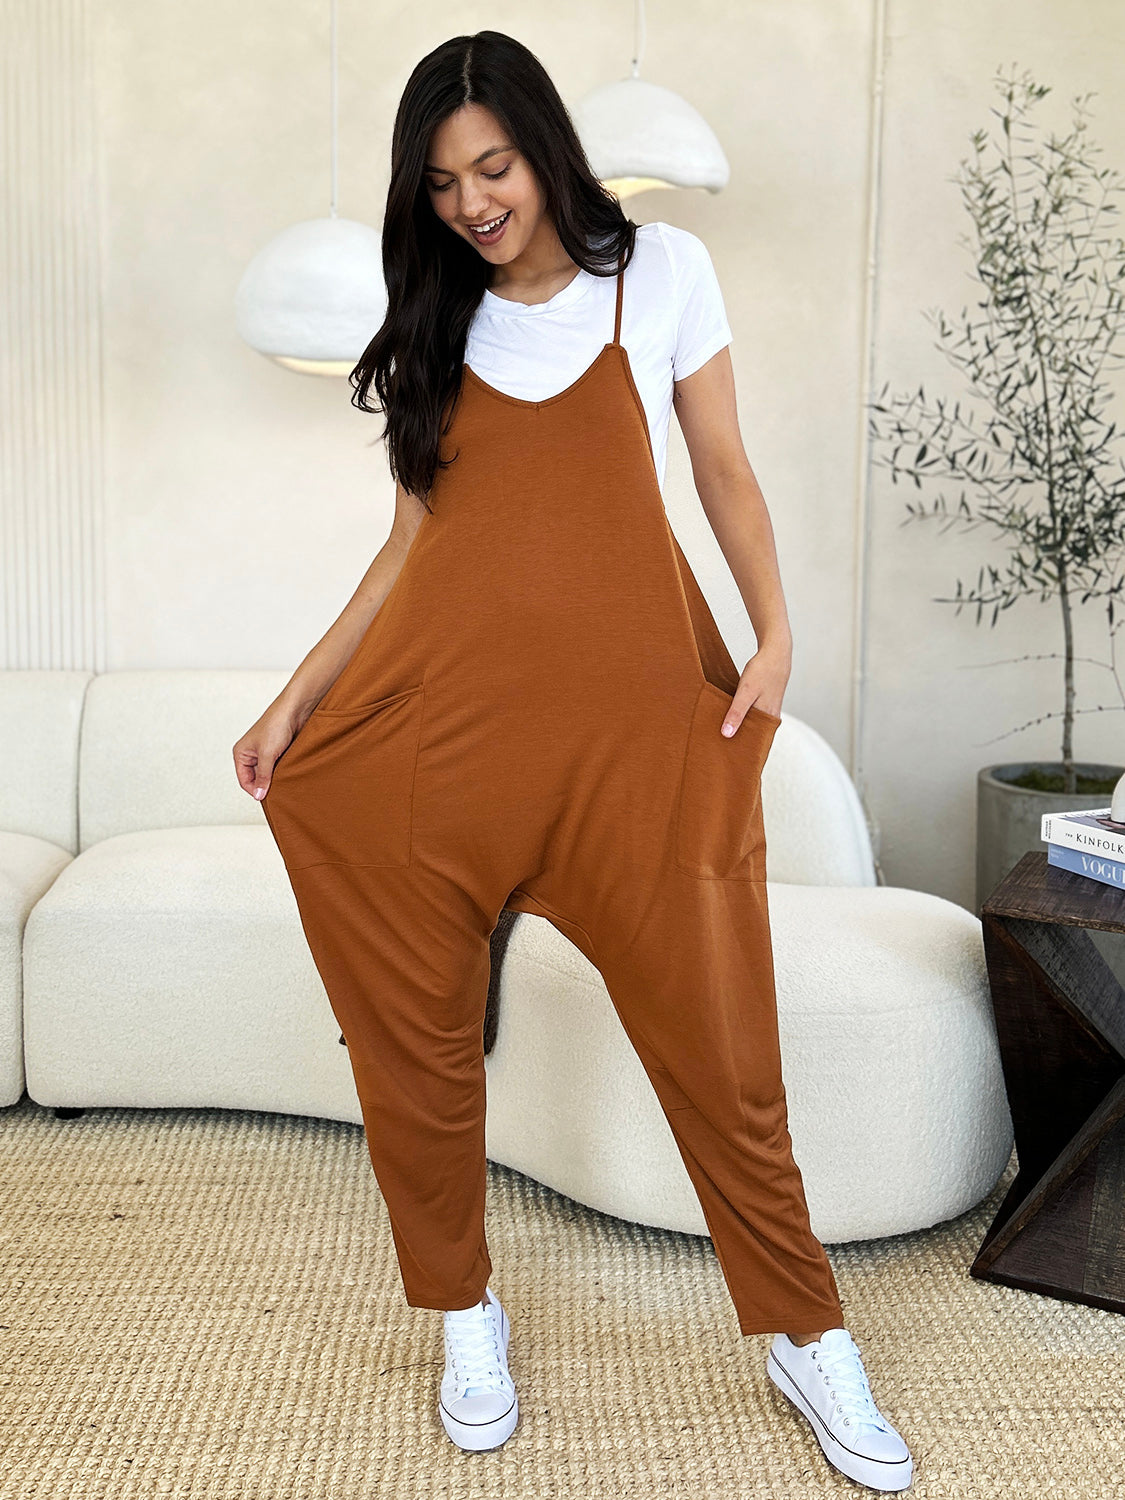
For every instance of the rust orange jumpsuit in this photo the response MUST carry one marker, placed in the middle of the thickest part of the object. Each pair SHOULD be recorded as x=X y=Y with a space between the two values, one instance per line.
x=531 y=723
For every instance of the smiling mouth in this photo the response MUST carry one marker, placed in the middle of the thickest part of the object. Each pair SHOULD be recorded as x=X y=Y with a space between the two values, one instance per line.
x=492 y=226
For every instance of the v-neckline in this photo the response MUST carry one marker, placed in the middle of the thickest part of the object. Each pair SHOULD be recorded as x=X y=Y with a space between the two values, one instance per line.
x=547 y=400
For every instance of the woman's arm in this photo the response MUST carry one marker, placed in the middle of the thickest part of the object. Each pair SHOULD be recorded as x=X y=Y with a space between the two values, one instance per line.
x=735 y=507
x=331 y=654
x=263 y=744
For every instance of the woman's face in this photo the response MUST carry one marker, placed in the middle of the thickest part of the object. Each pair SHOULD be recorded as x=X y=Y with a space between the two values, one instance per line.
x=475 y=175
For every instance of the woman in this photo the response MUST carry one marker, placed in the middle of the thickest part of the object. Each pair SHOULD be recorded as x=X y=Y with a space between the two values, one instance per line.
x=521 y=708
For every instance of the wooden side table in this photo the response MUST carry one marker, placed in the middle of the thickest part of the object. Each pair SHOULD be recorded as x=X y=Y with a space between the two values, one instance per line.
x=1060 y=1021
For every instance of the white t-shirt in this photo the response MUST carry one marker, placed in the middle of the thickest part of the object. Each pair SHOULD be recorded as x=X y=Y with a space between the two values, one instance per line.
x=672 y=322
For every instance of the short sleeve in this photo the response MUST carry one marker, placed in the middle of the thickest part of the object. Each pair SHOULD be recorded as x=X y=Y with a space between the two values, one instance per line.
x=702 y=328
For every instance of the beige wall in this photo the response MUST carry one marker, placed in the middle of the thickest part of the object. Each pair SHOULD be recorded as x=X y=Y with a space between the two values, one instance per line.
x=242 y=503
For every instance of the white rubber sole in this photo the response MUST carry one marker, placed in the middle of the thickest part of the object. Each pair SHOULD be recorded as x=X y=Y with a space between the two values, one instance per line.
x=481 y=1437
x=877 y=1474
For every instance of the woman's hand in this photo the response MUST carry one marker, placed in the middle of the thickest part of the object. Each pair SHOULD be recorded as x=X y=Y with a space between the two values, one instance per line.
x=261 y=747
x=761 y=685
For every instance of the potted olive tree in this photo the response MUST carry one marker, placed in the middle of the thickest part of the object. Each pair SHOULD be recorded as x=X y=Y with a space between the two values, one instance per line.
x=1039 y=467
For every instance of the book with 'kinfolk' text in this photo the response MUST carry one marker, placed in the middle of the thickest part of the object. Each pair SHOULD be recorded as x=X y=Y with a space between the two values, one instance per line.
x=1089 y=830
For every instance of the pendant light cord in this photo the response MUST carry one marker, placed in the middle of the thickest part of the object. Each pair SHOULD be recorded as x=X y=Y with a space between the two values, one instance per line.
x=332 y=149
x=638 y=36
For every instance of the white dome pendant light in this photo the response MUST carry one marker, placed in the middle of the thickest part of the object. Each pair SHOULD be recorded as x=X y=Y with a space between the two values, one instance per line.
x=638 y=135
x=312 y=298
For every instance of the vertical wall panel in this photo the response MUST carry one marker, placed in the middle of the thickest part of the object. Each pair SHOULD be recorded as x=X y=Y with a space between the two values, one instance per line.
x=51 y=491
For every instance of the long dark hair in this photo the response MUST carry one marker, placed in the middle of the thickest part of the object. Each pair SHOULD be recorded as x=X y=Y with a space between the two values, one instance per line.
x=435 y=278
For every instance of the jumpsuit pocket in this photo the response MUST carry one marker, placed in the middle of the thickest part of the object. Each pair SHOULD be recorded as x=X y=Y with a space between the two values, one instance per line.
x=343 y=792
x=719 y=833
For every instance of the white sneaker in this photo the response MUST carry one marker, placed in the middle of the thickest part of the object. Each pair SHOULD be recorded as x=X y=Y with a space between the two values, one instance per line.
x=478 y=1406
x=826 y=1382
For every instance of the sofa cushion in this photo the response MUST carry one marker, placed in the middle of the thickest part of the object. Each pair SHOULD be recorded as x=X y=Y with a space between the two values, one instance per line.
x=816 y=831
x=169 y=968
x=40 y=716
x=156 y=749
x=28 y=867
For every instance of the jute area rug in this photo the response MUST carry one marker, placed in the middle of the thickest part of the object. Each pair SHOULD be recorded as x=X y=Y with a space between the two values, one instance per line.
x=207 y=1304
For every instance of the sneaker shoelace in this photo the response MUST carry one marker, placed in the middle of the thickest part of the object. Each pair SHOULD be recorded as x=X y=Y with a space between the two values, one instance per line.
x=848 y=1386
x=475 y=1355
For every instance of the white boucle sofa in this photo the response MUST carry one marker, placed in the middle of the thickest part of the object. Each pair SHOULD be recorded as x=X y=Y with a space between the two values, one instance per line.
x=163 y=963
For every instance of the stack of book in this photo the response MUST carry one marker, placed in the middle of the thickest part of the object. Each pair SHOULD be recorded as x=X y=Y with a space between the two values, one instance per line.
x=1088 y=843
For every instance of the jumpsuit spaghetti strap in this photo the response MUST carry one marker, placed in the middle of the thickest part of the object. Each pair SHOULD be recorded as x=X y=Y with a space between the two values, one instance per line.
x=531 y=723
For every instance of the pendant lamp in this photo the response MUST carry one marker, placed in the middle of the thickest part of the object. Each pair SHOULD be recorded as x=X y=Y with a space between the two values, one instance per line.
x=638 y=135
x=312 y=298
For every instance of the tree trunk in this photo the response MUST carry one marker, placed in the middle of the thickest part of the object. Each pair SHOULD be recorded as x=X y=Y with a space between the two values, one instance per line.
x=1070 y=778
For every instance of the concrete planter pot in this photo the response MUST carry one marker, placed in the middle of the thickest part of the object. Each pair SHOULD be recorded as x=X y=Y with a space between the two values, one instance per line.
x=1008 y=816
